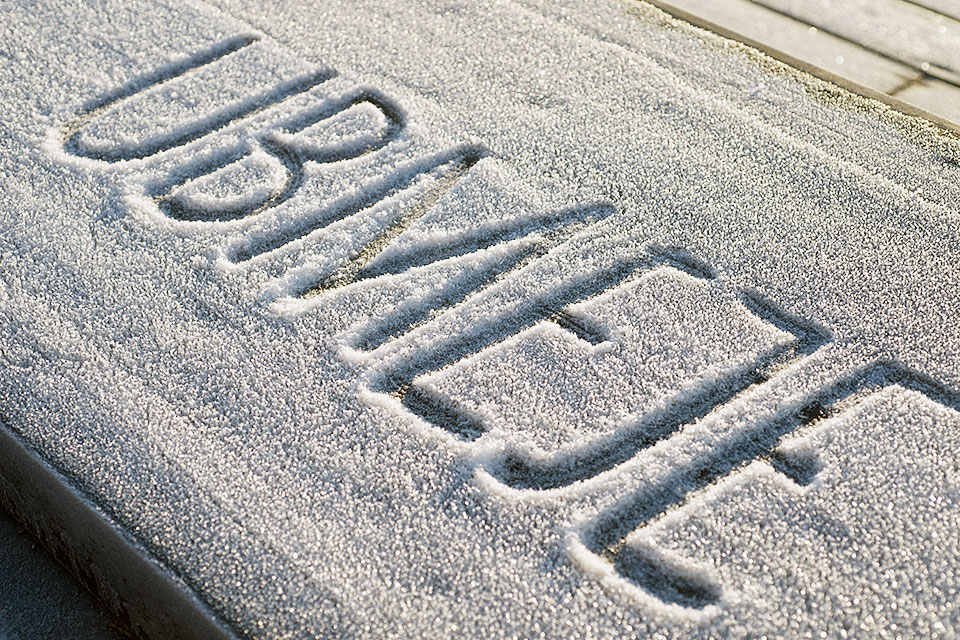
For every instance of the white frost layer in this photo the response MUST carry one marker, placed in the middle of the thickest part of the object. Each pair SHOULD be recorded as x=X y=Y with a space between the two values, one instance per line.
x=248 y=450
x=667 y=333
x=245 y=183
x=845 y=547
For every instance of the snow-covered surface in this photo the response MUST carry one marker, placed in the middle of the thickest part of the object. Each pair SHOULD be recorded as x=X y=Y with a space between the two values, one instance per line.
x=483 y=319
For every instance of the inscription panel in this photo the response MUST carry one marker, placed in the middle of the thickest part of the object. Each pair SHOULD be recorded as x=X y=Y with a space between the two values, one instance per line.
x=451 y=373
x=566 y=392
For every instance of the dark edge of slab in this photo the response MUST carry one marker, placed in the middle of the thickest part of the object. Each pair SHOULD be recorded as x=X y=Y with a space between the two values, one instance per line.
x=133 y=587
x=806 y=67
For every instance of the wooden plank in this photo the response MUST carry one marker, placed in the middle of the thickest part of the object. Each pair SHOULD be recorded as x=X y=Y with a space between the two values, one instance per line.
x=802 y=41
x=897 y=76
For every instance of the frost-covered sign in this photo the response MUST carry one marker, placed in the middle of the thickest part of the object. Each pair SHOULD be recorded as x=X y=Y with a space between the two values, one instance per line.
x=477 y=321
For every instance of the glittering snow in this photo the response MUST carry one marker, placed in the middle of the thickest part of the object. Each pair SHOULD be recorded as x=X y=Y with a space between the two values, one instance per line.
x=483 y=319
